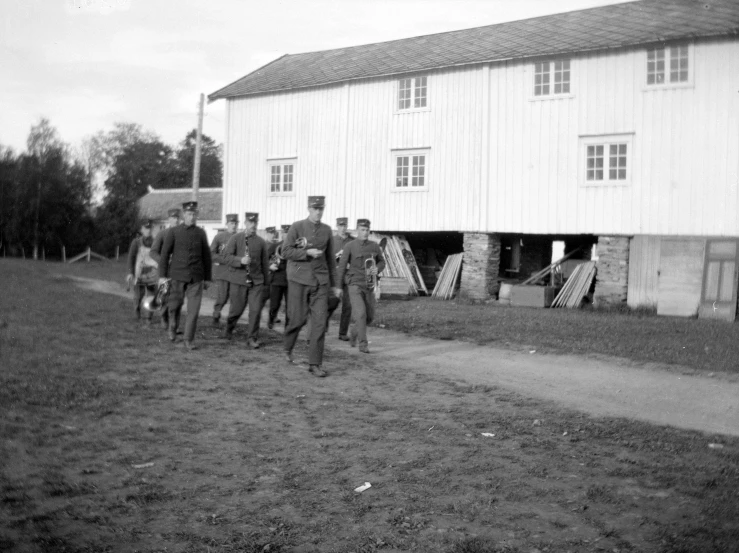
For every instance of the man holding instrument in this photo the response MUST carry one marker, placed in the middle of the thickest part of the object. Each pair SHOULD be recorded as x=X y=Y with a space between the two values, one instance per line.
x=173 y=219
x=278 y=280
x=311 y=271
x=248 y=266
x=341 y=239
x=220 y=269
x=361 y=262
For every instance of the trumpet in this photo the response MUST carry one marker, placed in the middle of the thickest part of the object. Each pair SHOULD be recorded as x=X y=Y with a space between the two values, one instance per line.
x=157 y=301
x=369 y=274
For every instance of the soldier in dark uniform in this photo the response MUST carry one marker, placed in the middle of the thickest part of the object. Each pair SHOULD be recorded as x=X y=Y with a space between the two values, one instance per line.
x=362 y=297
x=141 y=271
x=341 y=239
x=186 y=261
x=311 y=271
x=173 y=219
x=278 y=280
x=220 y=268
x=248 y=266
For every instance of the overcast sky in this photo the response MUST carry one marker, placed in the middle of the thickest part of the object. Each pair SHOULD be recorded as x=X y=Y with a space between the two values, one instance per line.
x=86 y=64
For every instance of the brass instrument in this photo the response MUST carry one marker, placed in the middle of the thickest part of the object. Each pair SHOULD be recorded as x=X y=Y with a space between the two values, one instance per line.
x=159 y=300
x=301 y=243
x=274 y=261
x=371 y=278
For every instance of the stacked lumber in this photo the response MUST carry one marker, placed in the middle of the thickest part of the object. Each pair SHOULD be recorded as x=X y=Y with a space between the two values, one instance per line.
x=447 y=283
x=396 y=262
x=576 y=287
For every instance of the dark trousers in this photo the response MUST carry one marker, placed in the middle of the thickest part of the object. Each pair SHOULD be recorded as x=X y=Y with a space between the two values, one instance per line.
x=363 y=311
x=241 y=296
x=276 y=293
x=346 y=312
x=194 y=293
x=223 y=288
x=139 y=293
x=305 y=302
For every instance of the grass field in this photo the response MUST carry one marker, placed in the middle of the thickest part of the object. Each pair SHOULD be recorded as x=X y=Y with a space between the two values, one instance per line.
x=114 y=439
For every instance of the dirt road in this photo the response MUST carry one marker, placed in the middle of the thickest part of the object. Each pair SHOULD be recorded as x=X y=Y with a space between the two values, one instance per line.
x=601 y=387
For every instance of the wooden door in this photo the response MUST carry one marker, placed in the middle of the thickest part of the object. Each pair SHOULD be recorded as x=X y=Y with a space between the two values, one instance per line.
x=718 y=297
x=680 y=276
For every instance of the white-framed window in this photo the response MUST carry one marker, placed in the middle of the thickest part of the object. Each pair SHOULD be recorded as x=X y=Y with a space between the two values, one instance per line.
x=552 y=78
x=669 y=65
x=410 y=170
x=282 y=175
x=606 y=159
x=412 y=93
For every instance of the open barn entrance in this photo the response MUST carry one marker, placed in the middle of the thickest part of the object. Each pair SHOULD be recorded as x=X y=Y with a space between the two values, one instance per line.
x=430 y=250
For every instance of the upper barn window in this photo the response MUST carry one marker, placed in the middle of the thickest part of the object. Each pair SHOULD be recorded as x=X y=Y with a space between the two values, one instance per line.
x=412 y=93
x=282 y=176
x=668 y=65
x=551 y=78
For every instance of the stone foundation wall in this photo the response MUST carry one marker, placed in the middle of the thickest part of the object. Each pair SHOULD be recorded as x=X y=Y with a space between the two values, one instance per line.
x=611 y=281
x=480 y=266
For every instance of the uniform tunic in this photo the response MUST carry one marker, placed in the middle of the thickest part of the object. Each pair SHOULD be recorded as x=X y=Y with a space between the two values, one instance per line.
x=220 y=271
x=346 y=304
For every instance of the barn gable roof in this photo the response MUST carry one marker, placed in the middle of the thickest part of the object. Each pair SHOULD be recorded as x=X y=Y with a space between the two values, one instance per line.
x=156 y=203
x=614 y=26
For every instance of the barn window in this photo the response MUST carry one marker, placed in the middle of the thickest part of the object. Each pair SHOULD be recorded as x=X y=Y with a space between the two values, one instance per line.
x=606 y=159
x=668 y=65
x=412 y=93
x=410 y=170
x=552 y=78
x=282 y=176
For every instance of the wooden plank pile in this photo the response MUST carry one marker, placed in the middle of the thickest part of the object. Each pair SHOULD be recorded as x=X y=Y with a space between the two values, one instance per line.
x=576 y=287
x=447 y=283
x=399 y=262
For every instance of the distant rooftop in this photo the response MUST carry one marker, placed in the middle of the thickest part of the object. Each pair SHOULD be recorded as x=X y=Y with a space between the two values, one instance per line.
x=156 y=203
x=606 y=27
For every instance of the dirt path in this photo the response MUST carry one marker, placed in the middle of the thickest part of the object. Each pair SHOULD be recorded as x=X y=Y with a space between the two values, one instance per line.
x=606 y=387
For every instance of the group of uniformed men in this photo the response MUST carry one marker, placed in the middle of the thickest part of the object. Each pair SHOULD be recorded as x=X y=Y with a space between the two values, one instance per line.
x=313 y=269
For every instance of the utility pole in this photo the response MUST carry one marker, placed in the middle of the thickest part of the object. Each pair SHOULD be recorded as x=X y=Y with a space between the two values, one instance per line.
x=196 y=168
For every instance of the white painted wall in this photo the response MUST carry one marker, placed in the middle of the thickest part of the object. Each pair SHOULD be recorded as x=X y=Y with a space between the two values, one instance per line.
x=500 y=161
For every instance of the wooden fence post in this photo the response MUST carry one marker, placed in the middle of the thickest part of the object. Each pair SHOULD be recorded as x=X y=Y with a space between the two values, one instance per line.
x=43 y=254
x=117 y=248
x=64 y=254
x=88 y=253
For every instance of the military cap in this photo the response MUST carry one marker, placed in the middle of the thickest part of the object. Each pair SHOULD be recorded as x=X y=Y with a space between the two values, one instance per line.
x=148 y=223
x=270 y=230
x=363 y=223
x=342 y=221
x=190 y=206
x=317 y=201
x=174 y=212
x=285 y=228
x=251 y=216
x=232 y=218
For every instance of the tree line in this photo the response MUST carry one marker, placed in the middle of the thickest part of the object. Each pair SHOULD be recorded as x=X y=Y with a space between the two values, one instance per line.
x=53 y=195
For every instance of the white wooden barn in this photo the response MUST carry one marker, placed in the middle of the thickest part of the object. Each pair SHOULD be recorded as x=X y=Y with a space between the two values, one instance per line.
x=616 y=126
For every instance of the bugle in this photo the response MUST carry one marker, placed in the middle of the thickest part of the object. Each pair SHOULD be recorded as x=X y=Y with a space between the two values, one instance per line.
x=274 y=261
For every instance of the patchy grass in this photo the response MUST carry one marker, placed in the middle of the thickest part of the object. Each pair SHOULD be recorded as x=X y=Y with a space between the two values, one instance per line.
x=701 y=345
x=114 y=439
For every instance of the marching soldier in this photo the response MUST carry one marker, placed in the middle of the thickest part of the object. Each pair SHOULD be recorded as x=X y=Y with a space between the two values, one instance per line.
x=248 y=266
x=220 y=268
x=271 y=241
x=359 y=274
x=278 y=280
x=173 y=219
x=142 y=269
x=311 y=270
x=341 y=239
x=186 y=260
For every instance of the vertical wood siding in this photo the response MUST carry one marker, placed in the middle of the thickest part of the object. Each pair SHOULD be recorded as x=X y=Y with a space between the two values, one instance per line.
x=500 y=161
x=644 y=260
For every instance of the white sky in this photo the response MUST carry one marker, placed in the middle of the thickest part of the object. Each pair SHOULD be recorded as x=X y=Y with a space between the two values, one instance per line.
x=86 y=64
